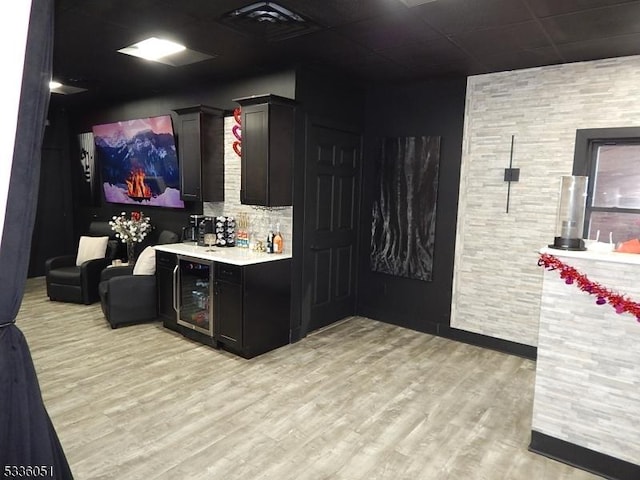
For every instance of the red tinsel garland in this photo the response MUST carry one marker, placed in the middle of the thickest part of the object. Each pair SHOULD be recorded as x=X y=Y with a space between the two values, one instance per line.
x=570 y=275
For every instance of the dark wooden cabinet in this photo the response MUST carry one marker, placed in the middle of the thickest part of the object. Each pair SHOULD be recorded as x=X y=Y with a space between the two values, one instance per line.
x=228 y=291
x=200 y=139
x=165 y=268
x=268 y=125
x=253 y=304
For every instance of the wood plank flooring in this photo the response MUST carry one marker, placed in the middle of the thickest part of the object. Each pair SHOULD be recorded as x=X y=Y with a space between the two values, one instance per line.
x=358 y=400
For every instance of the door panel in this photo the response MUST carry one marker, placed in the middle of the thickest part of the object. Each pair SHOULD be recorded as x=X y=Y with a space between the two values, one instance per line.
x=324 y=188
x=344 y=280
x=345 y=207
x=322 y=281
x=330 y=238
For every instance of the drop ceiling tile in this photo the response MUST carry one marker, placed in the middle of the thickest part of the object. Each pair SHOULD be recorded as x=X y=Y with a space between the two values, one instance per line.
x=596 y=23
x=512 y=38
x=521 y=59
x=547 y=8
x=331 y=13
x=388 y=32
x=433 y=52
x=142 y=15
x=455 y=16
x=601 y=48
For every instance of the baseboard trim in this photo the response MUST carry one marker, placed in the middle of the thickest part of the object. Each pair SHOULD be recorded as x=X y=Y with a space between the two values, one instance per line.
x=583 y=458
x=493 y=343
x=444 y=330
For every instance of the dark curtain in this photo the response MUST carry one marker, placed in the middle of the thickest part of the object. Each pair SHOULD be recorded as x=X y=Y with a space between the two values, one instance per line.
x=29 y=446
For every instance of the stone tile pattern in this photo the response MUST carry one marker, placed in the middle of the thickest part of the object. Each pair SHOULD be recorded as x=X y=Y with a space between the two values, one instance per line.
x=260 y=217
x=497 y=283
x=587 y=388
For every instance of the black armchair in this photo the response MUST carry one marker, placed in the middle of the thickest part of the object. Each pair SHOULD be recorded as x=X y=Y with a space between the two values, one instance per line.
x=68 y=282
x=126 y=298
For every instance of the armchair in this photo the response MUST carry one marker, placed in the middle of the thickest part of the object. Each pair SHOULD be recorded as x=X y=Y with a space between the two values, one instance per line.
x=128 y=295
x=69 y=282
x=126 y=298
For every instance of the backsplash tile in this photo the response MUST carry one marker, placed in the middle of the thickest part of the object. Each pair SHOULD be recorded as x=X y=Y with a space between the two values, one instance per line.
x=260 y=217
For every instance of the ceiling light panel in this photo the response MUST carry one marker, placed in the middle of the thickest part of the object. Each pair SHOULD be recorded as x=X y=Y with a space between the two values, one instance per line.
x=153 y=49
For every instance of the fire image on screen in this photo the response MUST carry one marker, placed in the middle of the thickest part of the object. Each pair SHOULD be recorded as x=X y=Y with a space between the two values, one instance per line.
x=138 y=162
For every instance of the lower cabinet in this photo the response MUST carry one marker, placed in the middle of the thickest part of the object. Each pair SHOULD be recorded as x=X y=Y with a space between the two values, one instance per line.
x=252 y=306
x=166 y=264
x=228 y=298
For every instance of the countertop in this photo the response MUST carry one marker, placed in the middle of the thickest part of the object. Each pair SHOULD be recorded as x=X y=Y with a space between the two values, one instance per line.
x=232 y=255
x=614 y=257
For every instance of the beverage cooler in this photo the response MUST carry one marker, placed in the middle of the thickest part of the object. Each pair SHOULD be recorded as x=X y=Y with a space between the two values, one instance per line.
x=194 y=294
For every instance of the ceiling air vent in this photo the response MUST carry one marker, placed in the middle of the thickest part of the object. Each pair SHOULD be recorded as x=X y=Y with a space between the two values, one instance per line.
x=269 y=21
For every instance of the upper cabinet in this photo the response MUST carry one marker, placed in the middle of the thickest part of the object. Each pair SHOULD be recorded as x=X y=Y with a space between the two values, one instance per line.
x=268 y=123
x=200 y=132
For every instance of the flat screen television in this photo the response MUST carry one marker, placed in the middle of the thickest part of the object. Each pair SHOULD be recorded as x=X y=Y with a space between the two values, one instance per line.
x=138 y=162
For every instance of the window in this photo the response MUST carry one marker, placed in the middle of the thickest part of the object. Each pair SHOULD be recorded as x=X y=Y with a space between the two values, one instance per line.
x=611 y=160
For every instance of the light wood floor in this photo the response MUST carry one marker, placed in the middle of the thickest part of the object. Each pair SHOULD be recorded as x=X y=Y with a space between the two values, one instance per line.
x=358 y=400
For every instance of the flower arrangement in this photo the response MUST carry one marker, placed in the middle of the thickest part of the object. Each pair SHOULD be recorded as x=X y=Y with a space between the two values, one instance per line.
x=133 y=229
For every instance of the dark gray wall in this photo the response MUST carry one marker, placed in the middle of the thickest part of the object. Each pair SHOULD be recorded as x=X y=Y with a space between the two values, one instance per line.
x=426 y=108
x=70 y=116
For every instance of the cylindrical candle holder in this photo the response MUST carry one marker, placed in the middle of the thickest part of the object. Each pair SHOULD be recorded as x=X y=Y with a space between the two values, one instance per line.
x=570 y=217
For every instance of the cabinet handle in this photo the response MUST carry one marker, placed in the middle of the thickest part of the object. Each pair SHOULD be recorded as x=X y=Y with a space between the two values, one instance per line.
x=176 y=286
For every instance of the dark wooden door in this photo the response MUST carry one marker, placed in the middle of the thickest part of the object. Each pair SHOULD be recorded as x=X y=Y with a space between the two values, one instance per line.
x=332 y=196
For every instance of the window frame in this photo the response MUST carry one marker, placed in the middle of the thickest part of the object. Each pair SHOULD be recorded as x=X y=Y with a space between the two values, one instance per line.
x=584 y=162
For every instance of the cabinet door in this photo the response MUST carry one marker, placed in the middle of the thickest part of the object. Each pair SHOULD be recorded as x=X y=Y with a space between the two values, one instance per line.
x=229 y=309
x=165 y=265
x=255 y=155
x=189 y=156
x=268 y=125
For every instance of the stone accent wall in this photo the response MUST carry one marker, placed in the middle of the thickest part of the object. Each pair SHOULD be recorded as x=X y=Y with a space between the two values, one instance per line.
x=260 y=217
x=497 y=283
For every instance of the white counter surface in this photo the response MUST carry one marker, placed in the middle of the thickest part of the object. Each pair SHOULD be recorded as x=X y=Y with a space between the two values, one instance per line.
x=233 y=255
x=614 y=257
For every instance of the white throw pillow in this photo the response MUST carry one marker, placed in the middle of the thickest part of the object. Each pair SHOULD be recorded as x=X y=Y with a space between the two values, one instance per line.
x=146 y=263
x=90 y=248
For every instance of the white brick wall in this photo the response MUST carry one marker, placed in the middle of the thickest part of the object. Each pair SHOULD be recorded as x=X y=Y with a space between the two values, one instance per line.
x=260 y=217
x=497 y=283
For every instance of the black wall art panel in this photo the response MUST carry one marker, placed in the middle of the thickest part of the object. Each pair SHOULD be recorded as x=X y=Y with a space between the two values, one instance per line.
x=404 y=207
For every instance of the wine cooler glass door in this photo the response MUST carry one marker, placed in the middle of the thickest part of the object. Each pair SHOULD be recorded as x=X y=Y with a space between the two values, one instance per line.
x=195 y=299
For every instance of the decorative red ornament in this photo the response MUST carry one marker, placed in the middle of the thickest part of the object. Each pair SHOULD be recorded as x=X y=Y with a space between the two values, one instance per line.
x=570 y=275
x=237 y=132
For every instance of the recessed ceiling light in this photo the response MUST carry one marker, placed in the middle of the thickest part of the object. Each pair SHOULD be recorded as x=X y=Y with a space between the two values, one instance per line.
x=153 y=49
x=165 y=51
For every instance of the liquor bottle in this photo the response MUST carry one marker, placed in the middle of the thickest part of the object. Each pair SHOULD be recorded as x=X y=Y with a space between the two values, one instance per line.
x=270 y=240
x=277 y=241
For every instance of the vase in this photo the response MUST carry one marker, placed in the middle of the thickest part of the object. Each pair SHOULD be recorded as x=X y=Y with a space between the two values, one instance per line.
x=131 y=253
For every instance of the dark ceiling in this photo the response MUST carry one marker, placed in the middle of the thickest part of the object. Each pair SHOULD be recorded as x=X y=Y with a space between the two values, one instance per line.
x=370 y=40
